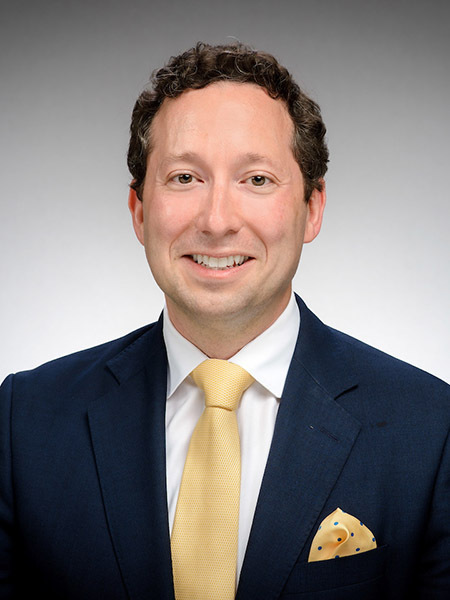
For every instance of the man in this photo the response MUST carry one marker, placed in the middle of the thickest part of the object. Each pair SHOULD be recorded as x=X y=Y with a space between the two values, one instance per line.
x=99 y=454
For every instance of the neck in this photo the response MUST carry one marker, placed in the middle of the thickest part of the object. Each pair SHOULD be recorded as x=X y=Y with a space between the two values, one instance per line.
x=222 y=337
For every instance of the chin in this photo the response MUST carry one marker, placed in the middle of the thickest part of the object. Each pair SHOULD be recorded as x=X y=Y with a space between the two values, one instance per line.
x=215 y=309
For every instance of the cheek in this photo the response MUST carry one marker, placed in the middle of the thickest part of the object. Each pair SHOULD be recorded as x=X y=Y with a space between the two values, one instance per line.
x=279 y=224
x=165 y=222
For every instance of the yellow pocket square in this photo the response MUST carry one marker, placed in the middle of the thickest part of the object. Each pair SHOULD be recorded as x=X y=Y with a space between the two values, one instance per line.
x=340 y=534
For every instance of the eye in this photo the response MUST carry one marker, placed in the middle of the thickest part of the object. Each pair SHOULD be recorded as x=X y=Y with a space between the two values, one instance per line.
x=184 y=178
x=259 y=180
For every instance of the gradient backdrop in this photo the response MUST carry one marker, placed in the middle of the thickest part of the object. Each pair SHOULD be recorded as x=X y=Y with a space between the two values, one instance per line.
x=72 y=273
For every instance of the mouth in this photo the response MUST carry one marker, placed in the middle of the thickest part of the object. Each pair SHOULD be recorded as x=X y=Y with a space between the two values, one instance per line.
x=222 y=263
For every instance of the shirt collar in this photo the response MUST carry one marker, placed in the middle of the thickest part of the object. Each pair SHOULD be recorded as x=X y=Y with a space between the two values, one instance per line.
x=266 y=358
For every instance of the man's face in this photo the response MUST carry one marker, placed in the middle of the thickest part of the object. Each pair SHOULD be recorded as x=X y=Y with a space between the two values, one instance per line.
x=223 y=217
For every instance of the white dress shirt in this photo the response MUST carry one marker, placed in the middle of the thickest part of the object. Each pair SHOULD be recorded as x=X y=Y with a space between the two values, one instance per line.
x=267 y=359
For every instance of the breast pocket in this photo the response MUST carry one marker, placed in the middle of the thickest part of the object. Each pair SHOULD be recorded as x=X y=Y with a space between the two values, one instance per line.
x=358 y=576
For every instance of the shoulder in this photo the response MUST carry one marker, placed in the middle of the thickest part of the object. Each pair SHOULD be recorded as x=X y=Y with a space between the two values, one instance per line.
x=368 y=358
x=345 y=366
x=376 y=367
x=407 y=403
x=84 y=373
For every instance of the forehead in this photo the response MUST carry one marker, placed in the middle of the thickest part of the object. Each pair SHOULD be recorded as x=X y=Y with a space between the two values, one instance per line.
x=224 y=111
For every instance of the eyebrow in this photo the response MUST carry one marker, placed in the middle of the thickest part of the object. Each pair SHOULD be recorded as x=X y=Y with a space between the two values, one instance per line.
x=181 y=157
x=251 y=157
x=246 y=158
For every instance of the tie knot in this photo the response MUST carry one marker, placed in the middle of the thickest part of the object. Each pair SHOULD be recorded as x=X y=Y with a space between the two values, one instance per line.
x=223 y=382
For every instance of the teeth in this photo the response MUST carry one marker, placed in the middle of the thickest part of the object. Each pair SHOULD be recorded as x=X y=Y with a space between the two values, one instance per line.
x=224 y=262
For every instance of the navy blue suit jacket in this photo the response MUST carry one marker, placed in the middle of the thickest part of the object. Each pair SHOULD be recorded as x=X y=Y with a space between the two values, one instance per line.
x=83 y=509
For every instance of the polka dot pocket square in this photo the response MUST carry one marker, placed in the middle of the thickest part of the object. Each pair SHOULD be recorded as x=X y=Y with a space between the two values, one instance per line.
x=340 y=534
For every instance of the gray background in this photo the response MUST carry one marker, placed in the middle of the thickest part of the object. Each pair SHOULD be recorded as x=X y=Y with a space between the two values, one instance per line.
x=72 y=273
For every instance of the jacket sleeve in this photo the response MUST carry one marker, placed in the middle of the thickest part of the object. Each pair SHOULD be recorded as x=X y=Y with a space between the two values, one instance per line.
x=6 y=493
x=435 y=564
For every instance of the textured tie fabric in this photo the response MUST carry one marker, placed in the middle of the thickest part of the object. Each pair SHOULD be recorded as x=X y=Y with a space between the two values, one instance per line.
x=339 y=535
x=205 y=531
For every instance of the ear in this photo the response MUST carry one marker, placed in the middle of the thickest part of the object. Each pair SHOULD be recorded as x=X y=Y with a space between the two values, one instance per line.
x=316 y=206
x=137 y=214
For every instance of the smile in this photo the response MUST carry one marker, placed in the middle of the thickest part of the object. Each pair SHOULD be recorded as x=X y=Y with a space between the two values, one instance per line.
x=225 y=262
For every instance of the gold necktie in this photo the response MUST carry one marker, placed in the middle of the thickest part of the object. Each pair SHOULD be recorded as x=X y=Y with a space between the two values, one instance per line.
x=205 y=531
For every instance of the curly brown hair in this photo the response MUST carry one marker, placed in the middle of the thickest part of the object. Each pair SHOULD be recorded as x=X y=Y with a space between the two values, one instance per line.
x=205 y=64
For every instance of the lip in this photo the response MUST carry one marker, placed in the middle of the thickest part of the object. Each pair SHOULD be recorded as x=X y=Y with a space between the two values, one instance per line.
x=207 y=272
x=217 y=255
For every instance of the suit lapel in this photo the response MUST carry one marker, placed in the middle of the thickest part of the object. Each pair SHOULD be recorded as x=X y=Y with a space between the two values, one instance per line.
x=312 y=439
x=128 y=435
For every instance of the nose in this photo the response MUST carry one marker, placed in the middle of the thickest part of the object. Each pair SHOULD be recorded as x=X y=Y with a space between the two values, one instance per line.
x=219 y=213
